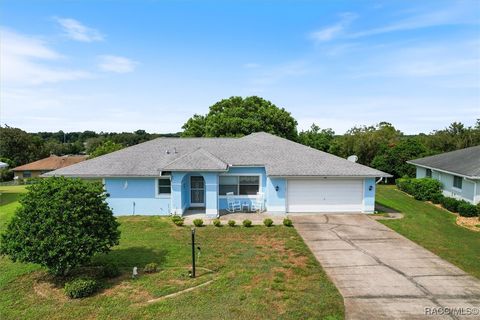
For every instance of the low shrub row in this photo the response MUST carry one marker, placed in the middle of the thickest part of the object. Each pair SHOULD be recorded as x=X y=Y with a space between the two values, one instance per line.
x=427 y=189
x=421 y=189
x=218 y=223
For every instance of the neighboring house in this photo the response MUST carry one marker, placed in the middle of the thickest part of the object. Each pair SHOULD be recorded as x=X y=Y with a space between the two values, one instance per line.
x=3 y=165
x=458 y=171
x=171 y=175
x=36 y=168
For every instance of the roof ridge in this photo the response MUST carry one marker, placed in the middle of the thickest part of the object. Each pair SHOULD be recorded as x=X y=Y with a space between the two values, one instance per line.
x=199 y=149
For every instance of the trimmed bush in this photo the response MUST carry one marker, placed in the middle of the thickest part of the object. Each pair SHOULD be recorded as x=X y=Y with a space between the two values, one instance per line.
x=217 y=223
x=437 y=198
x=231 y=223
x=247 y=223
x=80 y=288
x=450 y=204
x=151 y=267
x=466 y=209
x=268 y=222
x=178 y=220
x=421 y=189
x=198 y=222
x=61 y=224
x=287 y=222
x=110 y=270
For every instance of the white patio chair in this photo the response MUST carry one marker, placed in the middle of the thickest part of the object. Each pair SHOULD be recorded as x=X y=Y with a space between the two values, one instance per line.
x=232 y=204
x=257 y=205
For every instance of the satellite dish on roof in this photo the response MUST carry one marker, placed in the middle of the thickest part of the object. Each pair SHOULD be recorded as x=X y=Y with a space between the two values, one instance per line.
x=352 y=158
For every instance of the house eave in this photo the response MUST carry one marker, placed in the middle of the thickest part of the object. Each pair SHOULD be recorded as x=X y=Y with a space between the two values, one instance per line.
x=444 y=171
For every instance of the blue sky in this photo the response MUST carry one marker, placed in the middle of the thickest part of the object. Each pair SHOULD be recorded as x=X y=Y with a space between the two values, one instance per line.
x=127 y=65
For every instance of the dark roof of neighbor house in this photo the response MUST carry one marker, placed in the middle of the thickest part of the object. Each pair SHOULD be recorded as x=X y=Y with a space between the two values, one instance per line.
x=465 y=162
x=51 y=163
x=280 y=157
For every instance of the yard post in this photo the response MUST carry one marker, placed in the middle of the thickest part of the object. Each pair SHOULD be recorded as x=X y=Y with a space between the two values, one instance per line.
x=193 y=252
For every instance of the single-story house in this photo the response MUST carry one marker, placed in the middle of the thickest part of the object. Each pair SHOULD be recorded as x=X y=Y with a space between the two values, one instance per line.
x=3 y=165
x=458 y=171
x=170 y=175
x=39 y=167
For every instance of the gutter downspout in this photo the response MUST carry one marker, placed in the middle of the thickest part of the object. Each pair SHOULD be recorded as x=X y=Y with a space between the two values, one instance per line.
x=379 y=180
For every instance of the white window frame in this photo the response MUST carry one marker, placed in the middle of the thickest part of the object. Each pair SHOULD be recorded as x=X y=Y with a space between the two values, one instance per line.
x=162 y=195
x=461 y=183
x=253 y=196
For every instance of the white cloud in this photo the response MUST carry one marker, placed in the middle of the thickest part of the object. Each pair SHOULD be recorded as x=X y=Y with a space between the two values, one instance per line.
x=79 y=32
x=331 y=32
x=27 y=61
x=116 y=64
x=460 y=13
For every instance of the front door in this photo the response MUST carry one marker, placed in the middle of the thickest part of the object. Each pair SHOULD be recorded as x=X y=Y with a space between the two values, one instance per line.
x=197 y=191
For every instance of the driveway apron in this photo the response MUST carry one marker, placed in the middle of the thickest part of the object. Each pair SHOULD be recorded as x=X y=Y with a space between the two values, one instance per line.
x=383 y=275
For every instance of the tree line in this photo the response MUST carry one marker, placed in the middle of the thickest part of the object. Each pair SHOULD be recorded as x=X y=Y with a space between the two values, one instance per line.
x=381 y=146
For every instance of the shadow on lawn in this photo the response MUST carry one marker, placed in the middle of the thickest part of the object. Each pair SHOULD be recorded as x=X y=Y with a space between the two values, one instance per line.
x=133 y=257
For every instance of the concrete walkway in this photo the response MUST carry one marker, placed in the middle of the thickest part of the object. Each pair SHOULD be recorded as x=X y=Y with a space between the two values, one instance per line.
x=383 y=275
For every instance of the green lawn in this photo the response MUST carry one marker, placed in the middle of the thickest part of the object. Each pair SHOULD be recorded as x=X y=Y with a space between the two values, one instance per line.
x=258 y=273
x=433 y=228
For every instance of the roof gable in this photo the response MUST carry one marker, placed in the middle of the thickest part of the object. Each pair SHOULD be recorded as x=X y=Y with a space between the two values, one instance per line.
x=199 y=159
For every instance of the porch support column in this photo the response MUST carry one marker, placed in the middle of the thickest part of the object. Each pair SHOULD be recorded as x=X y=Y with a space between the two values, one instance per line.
x=211 y=194
x=177 y=202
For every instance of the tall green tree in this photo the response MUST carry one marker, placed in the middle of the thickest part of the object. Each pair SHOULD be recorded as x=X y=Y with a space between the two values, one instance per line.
x=19 y=146
x=394 y=159
x=106 y=147
x=366 y=142
x=237 y=116
x=317 y=138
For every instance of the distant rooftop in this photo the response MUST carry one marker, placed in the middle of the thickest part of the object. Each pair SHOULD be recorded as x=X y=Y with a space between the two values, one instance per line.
x=465 y=162
x=51 y=163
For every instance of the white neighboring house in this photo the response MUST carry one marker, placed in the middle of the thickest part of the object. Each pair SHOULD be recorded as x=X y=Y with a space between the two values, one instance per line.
x=458 y=171
x=3 y=165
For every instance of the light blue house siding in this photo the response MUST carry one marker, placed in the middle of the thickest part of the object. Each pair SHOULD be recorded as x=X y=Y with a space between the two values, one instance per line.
x=469 y=191
x=130 y=196
x=138 y=196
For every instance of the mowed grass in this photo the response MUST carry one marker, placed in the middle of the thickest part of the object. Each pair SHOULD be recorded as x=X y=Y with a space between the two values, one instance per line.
x=433 y=228
x=257 y=273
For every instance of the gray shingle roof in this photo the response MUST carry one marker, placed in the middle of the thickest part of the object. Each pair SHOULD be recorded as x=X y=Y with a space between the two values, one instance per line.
x=465 y=162
x=280 y=157
x=199 y=159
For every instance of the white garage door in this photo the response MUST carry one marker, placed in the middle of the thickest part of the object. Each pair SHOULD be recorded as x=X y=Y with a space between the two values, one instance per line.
x=325 y=195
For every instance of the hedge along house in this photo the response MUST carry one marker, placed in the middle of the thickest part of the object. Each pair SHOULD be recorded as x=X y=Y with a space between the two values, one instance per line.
x=458 y=171
x=170 y=175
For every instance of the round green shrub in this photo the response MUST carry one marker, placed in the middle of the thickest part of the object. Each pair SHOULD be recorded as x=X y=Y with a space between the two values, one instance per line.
x=466 y=209
x=217 y=223
x=287 y=222
x=61 y=224
x=80 y=288
x=268 y=222
x=198 y=222
x=151 y=267
x=247 y=223
x=110 y=270
x=231 y=223
x=437 y=198
x=178 y=220
x=450 y=204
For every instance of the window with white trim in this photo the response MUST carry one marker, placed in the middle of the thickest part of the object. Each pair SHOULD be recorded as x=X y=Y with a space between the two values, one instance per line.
x=239 y=185
x=457 y=182
x=164 y=186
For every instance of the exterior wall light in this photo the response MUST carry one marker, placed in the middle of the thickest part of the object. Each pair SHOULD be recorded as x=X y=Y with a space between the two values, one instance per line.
x=370 y=188
x=277 y=188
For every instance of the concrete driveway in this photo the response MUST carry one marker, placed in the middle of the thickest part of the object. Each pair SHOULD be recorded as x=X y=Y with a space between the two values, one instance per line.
x=383 y=275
